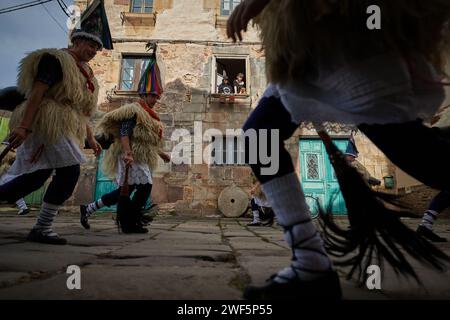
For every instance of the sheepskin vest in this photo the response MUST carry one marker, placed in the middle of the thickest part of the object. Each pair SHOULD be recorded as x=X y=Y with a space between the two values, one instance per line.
x=66 y=107
x=145 y=140
x=7 y=161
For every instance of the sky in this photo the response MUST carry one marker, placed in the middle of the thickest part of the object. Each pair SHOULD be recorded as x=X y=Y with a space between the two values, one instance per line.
x=27 y=30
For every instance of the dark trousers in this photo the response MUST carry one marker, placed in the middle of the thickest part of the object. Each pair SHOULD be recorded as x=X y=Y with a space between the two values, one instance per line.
x=253 y=204
x=420 y=151
x=270 y=114
x=60 y=189
x=140 y=197
x=440 y=202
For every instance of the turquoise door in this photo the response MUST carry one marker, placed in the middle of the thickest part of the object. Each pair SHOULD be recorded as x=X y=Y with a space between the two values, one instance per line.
x=318 y=177
x=105 y=185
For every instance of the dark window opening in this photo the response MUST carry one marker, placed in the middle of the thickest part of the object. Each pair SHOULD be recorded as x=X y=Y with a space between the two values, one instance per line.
x=227 y=72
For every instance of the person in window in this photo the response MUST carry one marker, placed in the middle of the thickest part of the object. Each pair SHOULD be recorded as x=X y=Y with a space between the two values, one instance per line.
x=137 y=130
x=225 y=87
x=48 y=128
x=239 y=84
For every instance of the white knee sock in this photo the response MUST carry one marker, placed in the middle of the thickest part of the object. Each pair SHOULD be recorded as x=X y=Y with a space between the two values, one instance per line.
x=309 y=259
x=428 y=219
x=46 y=217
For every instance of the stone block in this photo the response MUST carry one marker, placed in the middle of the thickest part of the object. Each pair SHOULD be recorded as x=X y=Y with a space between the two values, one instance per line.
x=188 y=193
x=201 y=169
x=194 y=107
x=198 y=98
x=210 y=4
x=175 y=193
x=159 y=191
x=183 y=117
x=200 y=192
x=184 y=168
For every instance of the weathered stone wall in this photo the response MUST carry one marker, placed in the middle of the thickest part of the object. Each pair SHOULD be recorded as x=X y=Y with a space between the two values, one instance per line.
x=189 y=33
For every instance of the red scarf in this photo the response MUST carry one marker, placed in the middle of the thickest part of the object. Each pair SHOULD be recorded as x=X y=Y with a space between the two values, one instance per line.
x=88 y=76
x=152 y=114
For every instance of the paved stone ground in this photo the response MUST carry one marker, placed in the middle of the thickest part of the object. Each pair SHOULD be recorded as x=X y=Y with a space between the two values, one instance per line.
x=180 y=258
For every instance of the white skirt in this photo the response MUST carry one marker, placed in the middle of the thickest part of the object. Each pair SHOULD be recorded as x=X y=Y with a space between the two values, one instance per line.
x=139 y=173
x=64 y=153
x=379 y=90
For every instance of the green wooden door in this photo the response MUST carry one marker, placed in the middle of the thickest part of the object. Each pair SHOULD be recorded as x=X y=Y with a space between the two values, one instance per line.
x=334 y=194
x=36 y=197
x=105 y=185
x=317 y=175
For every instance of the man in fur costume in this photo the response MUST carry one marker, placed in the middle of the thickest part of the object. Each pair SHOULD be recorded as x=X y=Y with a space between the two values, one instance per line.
x=5 y=164
x=138 y=132
x=324 y=65
x=49 y=127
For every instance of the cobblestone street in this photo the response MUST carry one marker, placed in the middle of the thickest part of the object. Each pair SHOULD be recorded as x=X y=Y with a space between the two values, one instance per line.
x=180 y=258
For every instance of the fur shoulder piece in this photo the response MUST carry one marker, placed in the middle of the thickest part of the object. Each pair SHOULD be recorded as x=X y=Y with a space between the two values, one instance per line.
x=111 y=121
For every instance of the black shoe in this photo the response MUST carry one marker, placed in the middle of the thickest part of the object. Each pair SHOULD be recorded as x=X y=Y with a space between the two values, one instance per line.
x=327 y=287
x=269 y=222
x=38 y=236
x=23 y=212
x=145 y=219
x=429 y=234
x=254 y=224
x=84 y=217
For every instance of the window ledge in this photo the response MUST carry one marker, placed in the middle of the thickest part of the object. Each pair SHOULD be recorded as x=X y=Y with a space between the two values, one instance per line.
x=139 y=18
x=242 y=99
x=236 y=96
x=126 y=93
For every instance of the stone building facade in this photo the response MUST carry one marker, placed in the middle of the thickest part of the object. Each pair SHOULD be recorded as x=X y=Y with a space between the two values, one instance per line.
x=194 y=54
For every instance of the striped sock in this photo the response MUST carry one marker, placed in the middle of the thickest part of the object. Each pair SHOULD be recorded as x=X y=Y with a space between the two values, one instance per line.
x=21 y=204
x=46 y=217
x=428 y=219
x=94 y=206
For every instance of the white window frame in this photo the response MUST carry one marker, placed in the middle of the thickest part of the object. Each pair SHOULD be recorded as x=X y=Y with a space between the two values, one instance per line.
x=232 y=3
x=142 y=7
x=123 y=56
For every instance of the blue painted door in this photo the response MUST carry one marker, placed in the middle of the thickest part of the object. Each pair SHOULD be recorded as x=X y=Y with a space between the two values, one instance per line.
x=318 y=177
x=105 y=185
